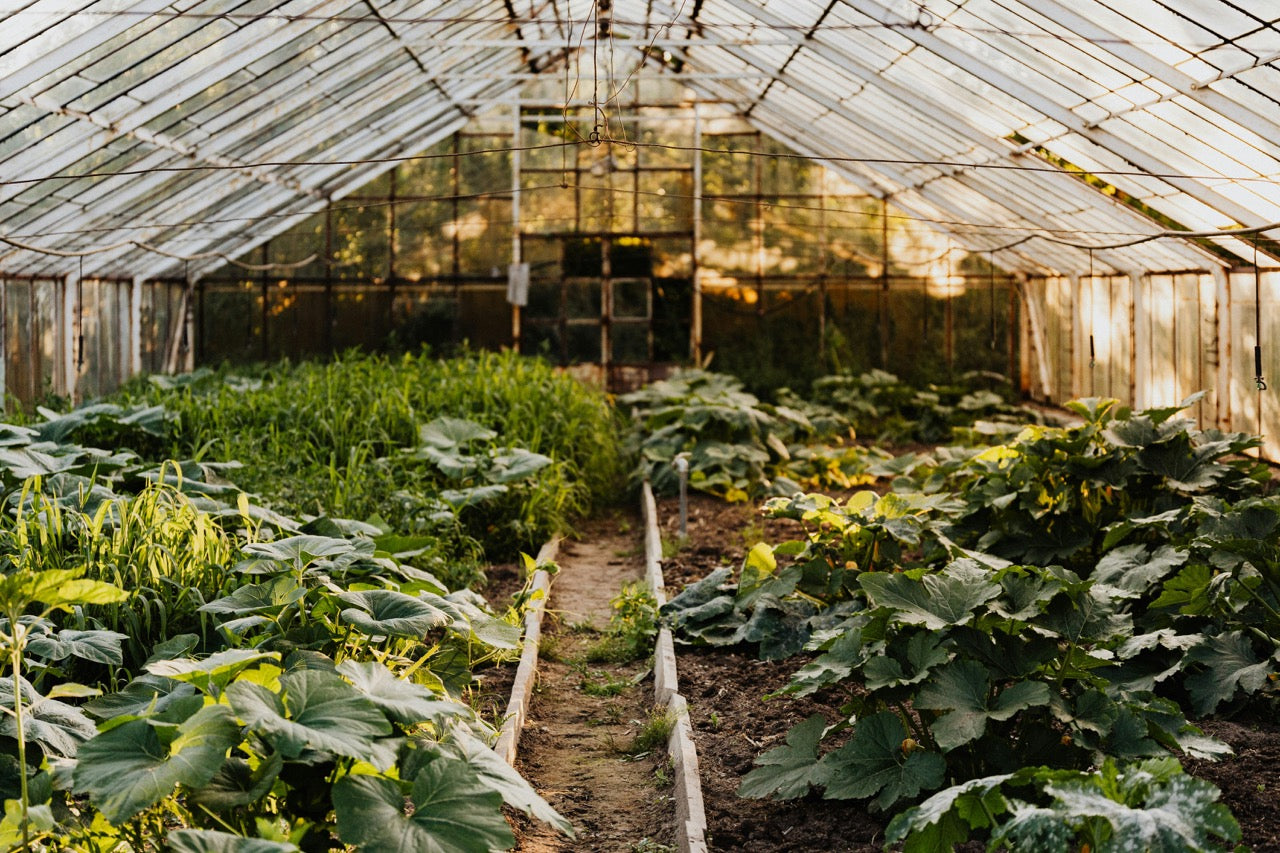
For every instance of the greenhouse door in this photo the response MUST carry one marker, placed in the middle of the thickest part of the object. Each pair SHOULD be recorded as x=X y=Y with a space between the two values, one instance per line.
x=590 y=299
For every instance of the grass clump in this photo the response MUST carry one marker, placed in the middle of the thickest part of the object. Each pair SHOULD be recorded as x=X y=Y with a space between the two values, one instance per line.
x=603 y=684
x=344 y=439
x=632 y=627
x=654 y=732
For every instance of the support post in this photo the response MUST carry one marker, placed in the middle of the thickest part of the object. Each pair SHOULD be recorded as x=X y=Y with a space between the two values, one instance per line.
x=1076 y=329
x=695 y=324
x=68 y=326
x=1222 y=334
x=883 y=301
x=135 y=326
x=1141 y=343
x=330 y=316
x=516 y=244
x=4 y=347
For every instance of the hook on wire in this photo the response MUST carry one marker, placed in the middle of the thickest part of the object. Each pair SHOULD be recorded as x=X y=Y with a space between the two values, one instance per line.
x=1258 y=379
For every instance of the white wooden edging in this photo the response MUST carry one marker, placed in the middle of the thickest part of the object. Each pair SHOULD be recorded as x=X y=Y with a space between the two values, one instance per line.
x=527 y=670
x=691 y=817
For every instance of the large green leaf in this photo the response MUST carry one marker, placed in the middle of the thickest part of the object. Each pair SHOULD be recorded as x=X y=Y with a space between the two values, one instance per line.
x=478 y=624
x=920 y=653
x=59 y=588
x=935 y=601
x=313 y=710
x=1180 y=814
x=946 y=818
x=1024 y=594
x=447 y=433
x=97 y=646
x=453 y=813
x=834 y=665
x=258 y=597
x=1229 y=663
x=144 y=694
x=515 y=463
x=787 y=771
x=57 y=727
x=213 y=841
x=298 y=552
x=237 y=783
x=403 y=701
x=130 y=767
x=1188 y=590
x=22 y=463
x=873 y=763
x=213 y=673
x=462 y=498
x=497 y=775
x=778 y=626
x=1135 y=568
x=389 y=612
x=964 y=689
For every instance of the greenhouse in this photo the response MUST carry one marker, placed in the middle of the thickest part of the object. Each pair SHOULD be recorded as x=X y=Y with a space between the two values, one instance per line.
x=643 y=426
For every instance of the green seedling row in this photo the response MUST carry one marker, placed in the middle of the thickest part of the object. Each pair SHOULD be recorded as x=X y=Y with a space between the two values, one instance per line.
x=233 y=607
x=1020 y=628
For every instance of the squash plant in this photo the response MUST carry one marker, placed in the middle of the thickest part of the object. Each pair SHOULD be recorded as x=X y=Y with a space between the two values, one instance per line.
x=964 y=672
x=1145 y=805
x=262 y=660
x=736 y=444
x=1056 y=600
x=1053 y=494
x=247 y=738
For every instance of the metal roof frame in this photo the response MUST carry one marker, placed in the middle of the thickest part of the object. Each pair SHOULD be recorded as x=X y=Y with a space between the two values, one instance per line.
x=175 y=124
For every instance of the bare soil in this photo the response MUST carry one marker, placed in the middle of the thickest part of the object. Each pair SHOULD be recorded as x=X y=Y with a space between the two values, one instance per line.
x=733 y=725
x=576 y=749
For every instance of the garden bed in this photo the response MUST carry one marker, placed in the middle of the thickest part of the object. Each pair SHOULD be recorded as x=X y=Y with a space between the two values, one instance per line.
x=733 y=725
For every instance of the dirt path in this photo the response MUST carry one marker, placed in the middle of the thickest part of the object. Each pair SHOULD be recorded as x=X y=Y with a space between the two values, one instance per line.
x=577 y=748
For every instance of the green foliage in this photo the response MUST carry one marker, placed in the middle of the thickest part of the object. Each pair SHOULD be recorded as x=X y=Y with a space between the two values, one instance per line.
x=880 y=405
x=654 y=732
x=312 y=737
x=1149 y=805
x=329 y=439
x=737 y=447
x=244 y=664
x=981 y=670
x=1058 y=494
x=633 y=624
x=1054 y=600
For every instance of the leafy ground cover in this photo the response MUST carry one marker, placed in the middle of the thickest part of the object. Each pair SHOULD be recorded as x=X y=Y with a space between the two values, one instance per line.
x=479 y=456
x=739 y=447
x=734 y=725
x=1059 y=600
x=189 y=665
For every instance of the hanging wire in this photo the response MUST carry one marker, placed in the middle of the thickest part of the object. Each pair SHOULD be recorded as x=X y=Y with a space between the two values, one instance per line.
x=80 y=317
x=188 y=310
x=1093 y=353
x=1258 y=380
x=991 y=298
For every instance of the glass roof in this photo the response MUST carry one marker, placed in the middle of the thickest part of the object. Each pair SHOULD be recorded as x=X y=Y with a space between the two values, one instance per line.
x=1034 y=128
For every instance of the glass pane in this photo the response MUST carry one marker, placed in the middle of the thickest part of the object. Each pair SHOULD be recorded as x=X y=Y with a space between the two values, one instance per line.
x=584 y=343
x=631 y=297
x=582 y=299
x=630 y=342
